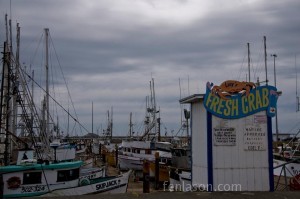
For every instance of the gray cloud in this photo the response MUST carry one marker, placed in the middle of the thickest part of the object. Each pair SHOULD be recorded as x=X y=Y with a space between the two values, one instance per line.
x=109 y=50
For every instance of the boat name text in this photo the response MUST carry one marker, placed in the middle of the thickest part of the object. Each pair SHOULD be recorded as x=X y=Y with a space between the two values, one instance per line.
x=107 y=184
x=35 y=188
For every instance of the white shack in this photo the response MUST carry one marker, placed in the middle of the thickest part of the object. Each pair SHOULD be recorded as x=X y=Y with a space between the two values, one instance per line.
x=232 y=140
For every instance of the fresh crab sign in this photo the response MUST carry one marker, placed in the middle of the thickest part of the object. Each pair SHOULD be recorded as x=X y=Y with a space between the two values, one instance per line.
x=234 y=99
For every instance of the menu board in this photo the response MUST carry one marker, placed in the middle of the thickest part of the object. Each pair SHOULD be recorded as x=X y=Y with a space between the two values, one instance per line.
x=224 y=136
x=254 y=138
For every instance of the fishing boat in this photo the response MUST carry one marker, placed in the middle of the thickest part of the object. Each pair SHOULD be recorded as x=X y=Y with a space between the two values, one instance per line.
x=132 y=154
x=286 y=158
x=180 y=170
x=108 y=185
x=92 y=173
x=180 y=180
x=134 y=151
x=42 y=178
x=44 y=166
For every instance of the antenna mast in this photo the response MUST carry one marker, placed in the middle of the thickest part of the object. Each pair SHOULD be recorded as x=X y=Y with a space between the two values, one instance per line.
x=248 y=45
x=297 y=97
x=266 y=68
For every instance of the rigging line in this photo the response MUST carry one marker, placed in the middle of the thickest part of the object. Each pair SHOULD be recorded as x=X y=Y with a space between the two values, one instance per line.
x=55 y=100
x=241 y=69
x=36 y=50
x=258 y=68
x=24 y=110
x=53 y=90
x=64 y=78
x=252 y=67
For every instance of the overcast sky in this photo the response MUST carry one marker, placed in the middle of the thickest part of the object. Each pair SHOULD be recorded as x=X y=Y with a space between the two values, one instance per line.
x=110 y=49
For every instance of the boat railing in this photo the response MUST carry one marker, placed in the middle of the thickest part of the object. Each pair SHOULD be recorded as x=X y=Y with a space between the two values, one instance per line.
x=284 y=170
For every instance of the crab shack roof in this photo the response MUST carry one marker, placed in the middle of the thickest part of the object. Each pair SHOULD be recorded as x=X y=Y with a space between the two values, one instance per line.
x=192 y=99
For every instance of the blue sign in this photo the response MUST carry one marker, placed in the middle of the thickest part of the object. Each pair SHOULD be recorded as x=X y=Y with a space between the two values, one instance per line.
x=241 y=104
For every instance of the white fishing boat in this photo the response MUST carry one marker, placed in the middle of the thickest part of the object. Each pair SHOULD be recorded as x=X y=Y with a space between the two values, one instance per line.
x=48 y=168
x=56 y=179
x=133 y=153
x=91 y=173
x=114 y=184
x=180 y=180
x=286 y=166
x=286 y=159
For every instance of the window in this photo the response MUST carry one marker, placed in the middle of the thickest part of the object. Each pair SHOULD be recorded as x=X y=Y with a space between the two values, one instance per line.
x=67 y=175
x=147 y=151
x=32 y=178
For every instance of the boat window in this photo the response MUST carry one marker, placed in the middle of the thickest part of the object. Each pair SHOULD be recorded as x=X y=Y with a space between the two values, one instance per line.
x=32 y=178
x=147 y=151
x=67 y=175
x=138 y=151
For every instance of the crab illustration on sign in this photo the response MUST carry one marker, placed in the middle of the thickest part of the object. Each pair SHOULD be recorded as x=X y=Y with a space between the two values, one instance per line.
x=234 y=99
x=232 y=87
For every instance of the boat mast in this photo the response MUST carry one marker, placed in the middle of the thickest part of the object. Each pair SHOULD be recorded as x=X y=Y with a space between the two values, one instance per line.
x=266 y=68
x=248 y=45
x=130 y=125
x=47 y=87
x=297 y=97
x=154 y=108
x=16 y=83
x=5 y=114
x=92 y=117
x=111 y=124
x=6 y=103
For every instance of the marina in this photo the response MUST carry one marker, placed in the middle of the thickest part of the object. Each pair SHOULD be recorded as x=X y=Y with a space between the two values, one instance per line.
x=225 y=145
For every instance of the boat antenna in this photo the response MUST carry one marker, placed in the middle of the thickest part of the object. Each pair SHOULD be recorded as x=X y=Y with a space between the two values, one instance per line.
x=188 y=85
x=92 y=117
x=180 y=104
x=297 y=97
x=248 y=46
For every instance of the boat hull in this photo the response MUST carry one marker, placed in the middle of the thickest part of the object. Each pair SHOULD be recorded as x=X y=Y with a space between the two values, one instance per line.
x=180 y=180
x=111 y=185
x=163 y=172
x=129 y=162
x=291 y=169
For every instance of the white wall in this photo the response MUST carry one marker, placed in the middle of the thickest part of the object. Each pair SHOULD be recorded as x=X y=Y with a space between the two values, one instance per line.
x=238 y=165
x=199 y=145
x=235 y=165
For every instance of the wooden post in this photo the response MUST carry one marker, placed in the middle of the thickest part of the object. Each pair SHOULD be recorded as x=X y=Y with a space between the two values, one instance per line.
x=100 y=149
x=117 y=151
x=156 y=170
x=103 y=154
x=146 y=177
x=1 y=186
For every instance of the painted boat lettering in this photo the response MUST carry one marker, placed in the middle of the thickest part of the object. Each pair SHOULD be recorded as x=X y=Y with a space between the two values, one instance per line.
x=108 y=184
x=295 y=171
x=35 y=188
x=92 y=176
